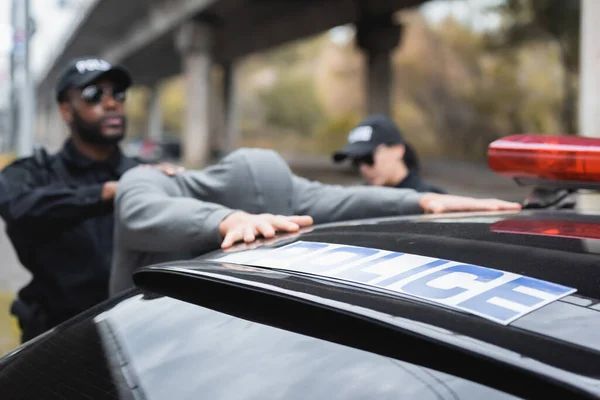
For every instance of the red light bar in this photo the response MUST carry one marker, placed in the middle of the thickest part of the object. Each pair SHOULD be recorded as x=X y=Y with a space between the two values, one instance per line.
x=564 y=229
x=555 y=161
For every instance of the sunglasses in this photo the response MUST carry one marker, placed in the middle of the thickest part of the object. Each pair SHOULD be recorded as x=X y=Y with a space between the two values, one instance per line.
x=93 y=94
x=367 y=159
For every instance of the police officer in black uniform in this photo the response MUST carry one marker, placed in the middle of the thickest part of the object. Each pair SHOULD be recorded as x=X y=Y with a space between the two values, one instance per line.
x=58 y=208
x=377 y=147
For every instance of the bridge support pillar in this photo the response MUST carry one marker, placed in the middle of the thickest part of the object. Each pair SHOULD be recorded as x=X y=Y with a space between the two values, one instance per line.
x=155 y=121
x=57 y=129
x=225 y=134
x=230 y=84
x=50 y=128
x=378 y=36
x=42 y=123
x=194 y=41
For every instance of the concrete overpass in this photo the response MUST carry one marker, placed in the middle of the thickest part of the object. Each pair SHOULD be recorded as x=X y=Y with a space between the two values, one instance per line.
x=160 y=38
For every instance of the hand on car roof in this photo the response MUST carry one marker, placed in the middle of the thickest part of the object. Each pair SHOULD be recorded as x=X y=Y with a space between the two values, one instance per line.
x=433 y=203
x=242 y=226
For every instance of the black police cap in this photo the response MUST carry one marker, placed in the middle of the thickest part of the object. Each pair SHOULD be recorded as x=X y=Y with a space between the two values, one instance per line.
x=83 y=71
x=371 y=132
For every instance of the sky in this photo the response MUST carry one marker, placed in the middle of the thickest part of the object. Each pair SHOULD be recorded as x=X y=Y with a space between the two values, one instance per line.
x=52 y=23
x=469 y=11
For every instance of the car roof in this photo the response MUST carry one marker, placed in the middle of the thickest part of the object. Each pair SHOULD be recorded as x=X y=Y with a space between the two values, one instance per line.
x=341 y=267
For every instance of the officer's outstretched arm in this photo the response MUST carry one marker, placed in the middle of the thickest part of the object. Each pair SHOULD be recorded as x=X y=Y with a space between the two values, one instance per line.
x=333 y=203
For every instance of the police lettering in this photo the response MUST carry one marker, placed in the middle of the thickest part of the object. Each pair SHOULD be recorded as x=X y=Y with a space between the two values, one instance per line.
x=92 y=65
x=489 y=293
x=507 y=301
x=360 y=134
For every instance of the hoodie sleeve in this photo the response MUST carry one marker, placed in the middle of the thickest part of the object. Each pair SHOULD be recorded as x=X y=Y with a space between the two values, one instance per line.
x=153 y=215
x=333 y=203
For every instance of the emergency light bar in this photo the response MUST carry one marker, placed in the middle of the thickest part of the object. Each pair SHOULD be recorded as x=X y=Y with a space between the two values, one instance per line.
x=563 y=229
x=548 y=161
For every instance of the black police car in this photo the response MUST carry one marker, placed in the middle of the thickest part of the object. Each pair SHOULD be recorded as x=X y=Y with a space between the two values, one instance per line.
x=462 y=306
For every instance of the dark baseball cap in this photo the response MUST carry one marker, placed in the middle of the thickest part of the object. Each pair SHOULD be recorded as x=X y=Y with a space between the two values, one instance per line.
x=371 y=132
x=82 y=71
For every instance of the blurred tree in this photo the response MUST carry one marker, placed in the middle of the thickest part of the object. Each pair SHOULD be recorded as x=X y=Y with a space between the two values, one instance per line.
x=279 y=97
x=340 y=80
x=332 y=134
x=291 y=103
x=292 y=54
x=462 y=97
x=172 y=103
x=136 y=110
x=556 y=21
x=436 y=100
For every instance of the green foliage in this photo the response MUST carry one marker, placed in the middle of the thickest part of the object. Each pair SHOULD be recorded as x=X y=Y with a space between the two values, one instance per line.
x=9 y=326
x=332 y=135
x=172 y=102
x=555 y=21
x=291 y=54
x=461 y=98
x=291 y=103
x=543 y=20
x=137 y=111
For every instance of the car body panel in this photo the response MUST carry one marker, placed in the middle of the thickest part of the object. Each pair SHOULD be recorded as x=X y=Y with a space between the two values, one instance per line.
x=162 y=348
x=563 y=320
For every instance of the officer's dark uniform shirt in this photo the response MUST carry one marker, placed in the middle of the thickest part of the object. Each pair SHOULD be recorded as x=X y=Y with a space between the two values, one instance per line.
x=413 y=181
x=60 y=228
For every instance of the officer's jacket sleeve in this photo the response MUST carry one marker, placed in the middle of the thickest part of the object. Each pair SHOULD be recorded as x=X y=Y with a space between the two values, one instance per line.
x=333 y=203
x=153 y=213
x=28 y=201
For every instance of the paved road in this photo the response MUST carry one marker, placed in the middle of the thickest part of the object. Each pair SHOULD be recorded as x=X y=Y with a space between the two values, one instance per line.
x=458 y=178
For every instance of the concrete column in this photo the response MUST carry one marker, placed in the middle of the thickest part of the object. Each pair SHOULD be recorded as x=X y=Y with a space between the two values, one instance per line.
x=589 y=84
x=589 y=107
x=52 y=115
x=217 y=115
x=57 y=127
x=44 y=124
x=380 y=84
x=41 y=124
x=46 y=106
x=155 y=117
x=230 y=84
x=194 y=41
x=378 y=36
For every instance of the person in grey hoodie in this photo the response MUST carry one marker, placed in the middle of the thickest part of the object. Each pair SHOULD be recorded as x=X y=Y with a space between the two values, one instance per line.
x=249 y=193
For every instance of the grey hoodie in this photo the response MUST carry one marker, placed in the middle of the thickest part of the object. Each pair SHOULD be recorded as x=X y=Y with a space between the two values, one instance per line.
x=159 y=218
